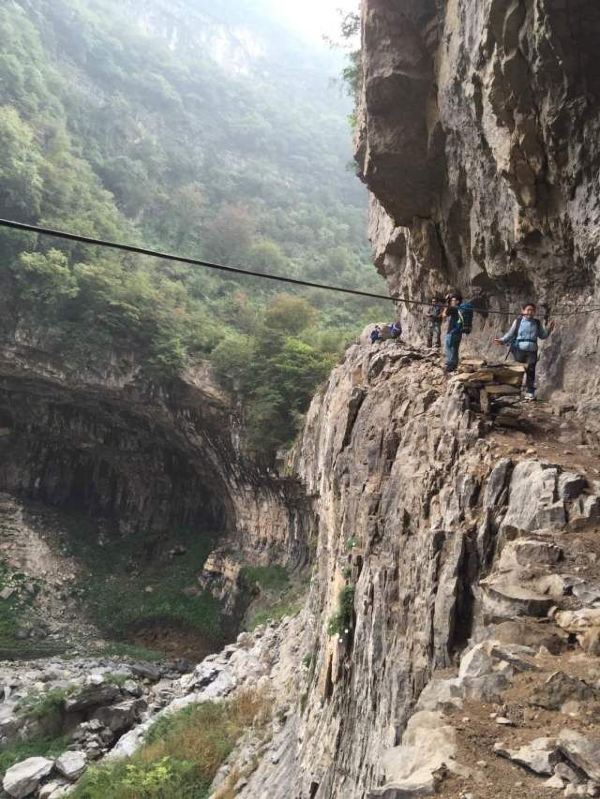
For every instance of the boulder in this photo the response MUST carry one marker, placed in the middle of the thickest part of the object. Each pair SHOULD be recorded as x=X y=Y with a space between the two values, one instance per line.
x=571 y=485
x=71 y=765
x=54 y=789
x=536 y=756
x=585 y=509
x=477 y=662
x=23 y=778
x=531 y=552
x=438 y=694
x=497 y=484
x=504 y=597
x=582 y=751
x=92 y=696
x=560 y=688
x=121 y=717
x=584 y=623
x=414 y=768
x=147 y=671
x=532 y=502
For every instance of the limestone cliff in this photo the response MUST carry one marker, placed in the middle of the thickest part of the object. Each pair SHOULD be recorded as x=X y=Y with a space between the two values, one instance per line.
x=441 y=531
x=148 y=457
x=478 y=129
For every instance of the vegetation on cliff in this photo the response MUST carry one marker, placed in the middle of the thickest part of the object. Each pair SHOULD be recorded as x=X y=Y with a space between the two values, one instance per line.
x=110 y=131
x=181 y=755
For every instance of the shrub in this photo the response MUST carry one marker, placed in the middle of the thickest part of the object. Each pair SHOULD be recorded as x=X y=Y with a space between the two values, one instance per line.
x=342 y=620
x=181 y=755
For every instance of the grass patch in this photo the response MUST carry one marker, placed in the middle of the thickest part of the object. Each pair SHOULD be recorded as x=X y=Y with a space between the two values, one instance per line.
x=274 y=612
x=341 y=622
x=130 y=580
x=269 y=578
x=279 y=594
x=44 y=705
x=119 y=649
x=36 y=747
x=181 y=756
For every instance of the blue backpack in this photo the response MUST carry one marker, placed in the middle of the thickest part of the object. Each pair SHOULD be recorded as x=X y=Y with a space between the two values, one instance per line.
x=465 y=317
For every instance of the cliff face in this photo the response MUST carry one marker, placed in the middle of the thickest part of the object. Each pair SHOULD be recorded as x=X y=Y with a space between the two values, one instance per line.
x=146 y=457
x=478 y=139
x=436 y=531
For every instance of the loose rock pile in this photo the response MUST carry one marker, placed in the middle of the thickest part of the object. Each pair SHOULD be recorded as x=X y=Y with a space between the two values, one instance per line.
x=108 y=706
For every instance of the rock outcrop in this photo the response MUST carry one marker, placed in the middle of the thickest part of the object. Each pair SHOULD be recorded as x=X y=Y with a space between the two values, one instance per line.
x=478 y=130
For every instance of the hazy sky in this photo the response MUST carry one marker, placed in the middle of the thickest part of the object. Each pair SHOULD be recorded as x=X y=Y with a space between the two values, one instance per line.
x=315 y=17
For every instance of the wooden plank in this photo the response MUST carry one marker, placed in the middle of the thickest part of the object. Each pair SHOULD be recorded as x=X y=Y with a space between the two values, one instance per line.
x=502 y=390
x=472 y=364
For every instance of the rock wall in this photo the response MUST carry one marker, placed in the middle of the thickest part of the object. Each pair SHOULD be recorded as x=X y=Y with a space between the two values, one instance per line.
x=418 y=500
x=147 y=457
x=478 y=131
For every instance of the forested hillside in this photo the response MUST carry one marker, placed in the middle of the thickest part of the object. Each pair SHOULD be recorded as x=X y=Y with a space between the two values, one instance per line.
x=201 y=128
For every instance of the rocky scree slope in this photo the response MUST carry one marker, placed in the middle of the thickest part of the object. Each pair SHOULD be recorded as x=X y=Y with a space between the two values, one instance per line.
x=454 y=561
x=477 y=136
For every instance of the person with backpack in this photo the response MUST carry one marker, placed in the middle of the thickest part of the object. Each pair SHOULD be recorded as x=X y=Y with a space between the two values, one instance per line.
x=376 y=334
x=460 y=320
x=434 y=323
x=396 y=329
x=523 y=340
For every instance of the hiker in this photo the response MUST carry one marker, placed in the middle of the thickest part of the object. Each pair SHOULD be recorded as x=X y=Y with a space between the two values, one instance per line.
x=434 y=322
x=523 y=340
x=375 y=334
x=454 y=331
x=393 y=330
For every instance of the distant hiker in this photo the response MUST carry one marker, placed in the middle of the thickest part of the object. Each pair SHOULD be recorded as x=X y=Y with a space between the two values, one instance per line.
x=454 y=331
x=523 y=339
x=393 y=330
x=434 y=323
x=375 y=334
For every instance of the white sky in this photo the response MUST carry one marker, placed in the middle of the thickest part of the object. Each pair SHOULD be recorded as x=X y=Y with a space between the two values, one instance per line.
x=314 y=18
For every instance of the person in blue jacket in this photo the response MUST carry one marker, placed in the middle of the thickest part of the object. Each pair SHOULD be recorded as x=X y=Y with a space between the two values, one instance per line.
x=523 y=338
x=453 y=336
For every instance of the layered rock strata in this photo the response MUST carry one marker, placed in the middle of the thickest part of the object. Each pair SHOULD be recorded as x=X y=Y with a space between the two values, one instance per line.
x=146 y=457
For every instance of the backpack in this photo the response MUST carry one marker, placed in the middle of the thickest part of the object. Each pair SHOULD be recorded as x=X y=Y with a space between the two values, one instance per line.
x=518 y=321
x=465 y=317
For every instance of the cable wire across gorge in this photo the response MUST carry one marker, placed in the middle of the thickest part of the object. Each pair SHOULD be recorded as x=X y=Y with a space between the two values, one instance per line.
x=236 y=270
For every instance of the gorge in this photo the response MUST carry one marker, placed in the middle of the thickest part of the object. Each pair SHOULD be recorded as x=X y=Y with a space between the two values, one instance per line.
x=448 y=642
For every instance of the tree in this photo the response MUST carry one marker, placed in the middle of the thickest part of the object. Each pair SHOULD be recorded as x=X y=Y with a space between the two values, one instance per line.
x=289 y=314
x=229 y=235
x=20 y=161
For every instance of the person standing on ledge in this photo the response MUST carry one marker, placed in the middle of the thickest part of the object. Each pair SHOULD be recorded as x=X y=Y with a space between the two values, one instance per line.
x=434 y=323
x=523 y=339
x=453 y=332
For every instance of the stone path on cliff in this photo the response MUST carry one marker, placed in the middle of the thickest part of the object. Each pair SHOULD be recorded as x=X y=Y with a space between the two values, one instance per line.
x=520 y=716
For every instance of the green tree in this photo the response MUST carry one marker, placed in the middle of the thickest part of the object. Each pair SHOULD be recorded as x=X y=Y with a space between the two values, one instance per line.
x=289 y=314
x=21 y=183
